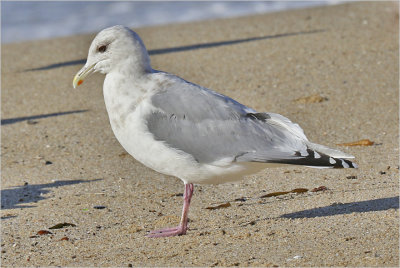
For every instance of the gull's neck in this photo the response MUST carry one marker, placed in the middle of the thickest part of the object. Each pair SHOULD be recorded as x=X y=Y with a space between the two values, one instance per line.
x=134 y=65
x=127 y=85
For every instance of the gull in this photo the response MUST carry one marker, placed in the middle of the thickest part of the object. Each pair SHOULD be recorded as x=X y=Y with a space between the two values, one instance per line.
x=184 y=130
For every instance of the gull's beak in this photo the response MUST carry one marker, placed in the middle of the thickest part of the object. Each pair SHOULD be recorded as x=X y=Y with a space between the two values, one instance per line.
x=80 y=76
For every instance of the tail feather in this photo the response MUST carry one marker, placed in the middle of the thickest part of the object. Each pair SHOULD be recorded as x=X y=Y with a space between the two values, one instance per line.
x=328 y=151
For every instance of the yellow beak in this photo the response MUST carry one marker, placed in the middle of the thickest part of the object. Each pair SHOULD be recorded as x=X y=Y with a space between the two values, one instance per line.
x=81 y=75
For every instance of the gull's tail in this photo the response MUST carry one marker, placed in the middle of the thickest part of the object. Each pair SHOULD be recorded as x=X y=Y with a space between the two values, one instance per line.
x=316 y=155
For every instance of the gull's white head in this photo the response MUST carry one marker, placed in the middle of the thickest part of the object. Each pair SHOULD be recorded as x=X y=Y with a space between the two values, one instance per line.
x=117 y=48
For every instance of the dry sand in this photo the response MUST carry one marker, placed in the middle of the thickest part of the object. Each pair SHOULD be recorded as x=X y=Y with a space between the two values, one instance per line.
x=57 y=167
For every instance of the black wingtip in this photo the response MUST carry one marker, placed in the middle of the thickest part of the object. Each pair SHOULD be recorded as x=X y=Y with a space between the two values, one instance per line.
x=344 y=163
x=317 y=159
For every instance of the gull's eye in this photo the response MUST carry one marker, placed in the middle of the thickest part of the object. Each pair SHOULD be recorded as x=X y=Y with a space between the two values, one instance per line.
x=102 y=48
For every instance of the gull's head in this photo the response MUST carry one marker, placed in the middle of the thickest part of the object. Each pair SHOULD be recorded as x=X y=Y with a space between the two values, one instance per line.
x=115 y=48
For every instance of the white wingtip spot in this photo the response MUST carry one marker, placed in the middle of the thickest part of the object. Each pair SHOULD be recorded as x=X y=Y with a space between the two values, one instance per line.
x=332 y=161
x=344 y=164
x=304 y=153
x=317 y=155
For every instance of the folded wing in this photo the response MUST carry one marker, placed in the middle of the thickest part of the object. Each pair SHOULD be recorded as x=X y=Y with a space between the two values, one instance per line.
x=210 y=127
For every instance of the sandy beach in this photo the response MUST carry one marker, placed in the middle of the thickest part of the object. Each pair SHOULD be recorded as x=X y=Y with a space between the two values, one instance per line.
x=333 y=70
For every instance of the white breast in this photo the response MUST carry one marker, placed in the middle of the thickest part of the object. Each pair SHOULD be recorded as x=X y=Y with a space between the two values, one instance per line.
x=127 y=107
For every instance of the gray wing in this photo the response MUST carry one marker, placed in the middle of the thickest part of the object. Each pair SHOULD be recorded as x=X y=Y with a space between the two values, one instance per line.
x=210 y=127
x=195 y=103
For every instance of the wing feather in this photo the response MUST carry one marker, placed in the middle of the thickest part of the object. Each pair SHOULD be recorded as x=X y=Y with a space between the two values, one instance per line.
x=211 y=126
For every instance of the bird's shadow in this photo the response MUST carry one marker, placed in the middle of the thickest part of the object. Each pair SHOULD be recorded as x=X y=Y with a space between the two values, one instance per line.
x=16 y=197
x=347 y=208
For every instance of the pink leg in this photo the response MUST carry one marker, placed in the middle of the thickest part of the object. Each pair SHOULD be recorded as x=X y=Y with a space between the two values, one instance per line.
x=181 y=229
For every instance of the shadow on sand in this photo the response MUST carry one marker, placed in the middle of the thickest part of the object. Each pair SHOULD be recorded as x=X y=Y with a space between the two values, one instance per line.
x=185 y=48
x=40 y=116
x=347 y=208
x=16 y=196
